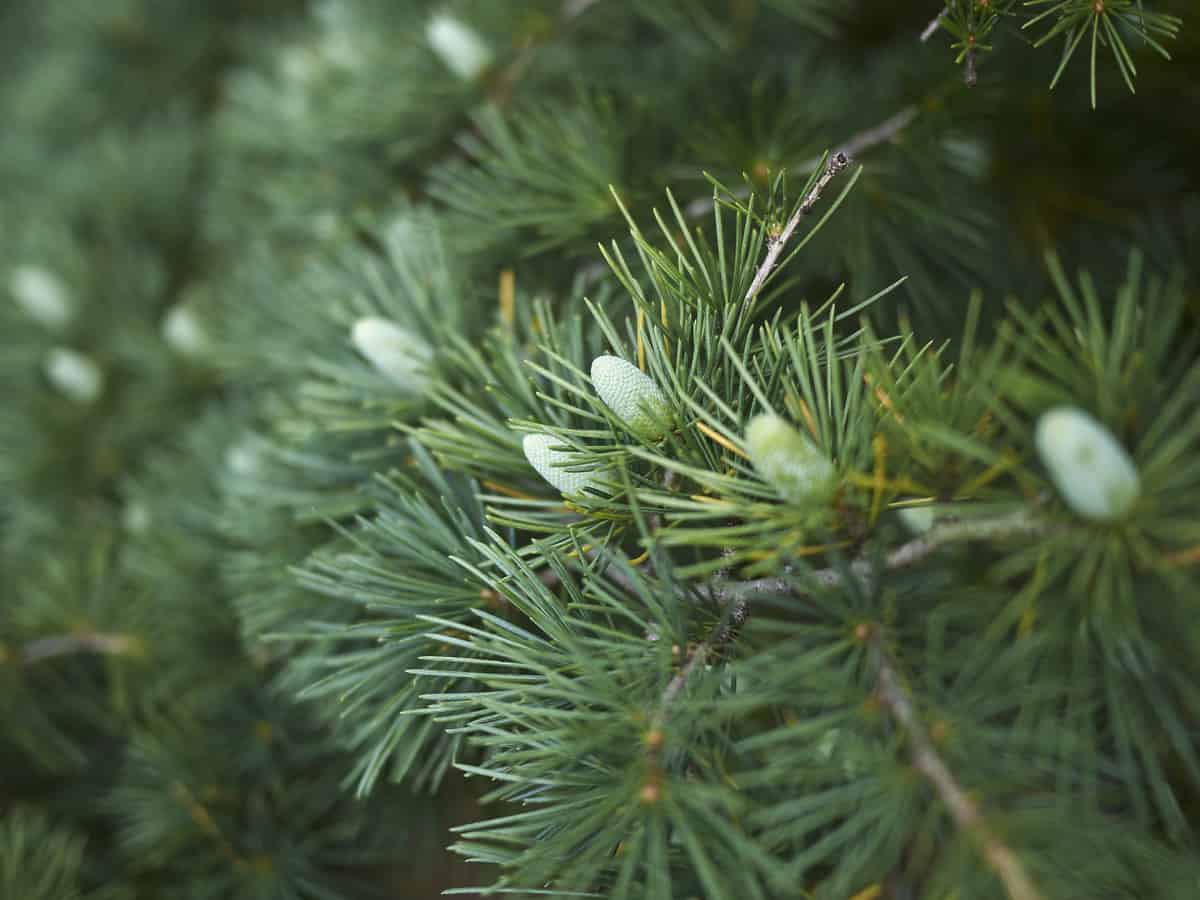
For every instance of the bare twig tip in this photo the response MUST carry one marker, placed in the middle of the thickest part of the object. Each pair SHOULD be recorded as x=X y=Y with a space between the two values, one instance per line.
x=932 y=27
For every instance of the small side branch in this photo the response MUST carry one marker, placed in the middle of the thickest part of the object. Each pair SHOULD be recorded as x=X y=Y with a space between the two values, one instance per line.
x=732 y=594
x=721 y=635
x=572 y=9
x=932 y=27
x=1018 y=524
x=963 y=809
x=853 y=147
x=655 y=737
x=68 y=644
x=837 y=162
x=970 y=69
x=879 y=134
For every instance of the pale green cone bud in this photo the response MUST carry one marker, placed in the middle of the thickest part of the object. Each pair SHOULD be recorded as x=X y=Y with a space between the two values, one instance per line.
x=458 y=46
x=75 y=376
x=400 y=231
x=298 y=65
x=789 y=461
x=1093 y=473
x=244 y=458
x=395 y=352
x=42 y=295
x=632 y=396
x=917 y=519
x=136 y=517
x=548 y=461
x=182 y=331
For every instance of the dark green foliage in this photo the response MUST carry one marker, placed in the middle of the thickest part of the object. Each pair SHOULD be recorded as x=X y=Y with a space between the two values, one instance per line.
x=286 y=286
x=37 y=861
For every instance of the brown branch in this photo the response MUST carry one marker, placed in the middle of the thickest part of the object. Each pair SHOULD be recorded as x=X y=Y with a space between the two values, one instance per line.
x=886 y=130
x=676 y=685
x=572 y=9
x=852 y=147
x=963 y=809
x=735 y=596
x=722 y=634
x=837 y=162
x=731 y=594
x=1018 y=524
x=66 y=644
x=654 y=738
x=970 y=70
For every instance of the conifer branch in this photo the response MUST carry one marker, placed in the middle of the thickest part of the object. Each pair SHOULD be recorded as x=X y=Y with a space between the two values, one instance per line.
x=1017 y=524
x=723 y=632
x=67 y=644
x=775 y=244
x=963 y=809
x=858 y=143
x=970 y=69
x=676 y=685
x=879 y=134
x=735 y=596
x=731 y=594
x=574 y=8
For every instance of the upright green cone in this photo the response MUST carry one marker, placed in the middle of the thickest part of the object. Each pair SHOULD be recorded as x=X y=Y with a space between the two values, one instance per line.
x=1093 y=473
x=395 y=352
x=42 y=295
x=73 y=374
x=632 y=396
x=458 y=45
x=540 y=450
x=789 y=461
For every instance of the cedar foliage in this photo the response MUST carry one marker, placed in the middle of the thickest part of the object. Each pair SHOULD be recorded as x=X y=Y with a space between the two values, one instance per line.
x=295 y=295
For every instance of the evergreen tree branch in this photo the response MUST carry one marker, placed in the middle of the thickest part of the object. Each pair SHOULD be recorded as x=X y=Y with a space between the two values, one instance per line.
x=858 y=143
x=1017 y=524
x=963 y=809
x=949 y=531
x=723 y=632
x=933 y=26
x=970 y=70
x=67 y=644
x=775 y=244
x=878 y=134
x=572 y=9
x=735 y=597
